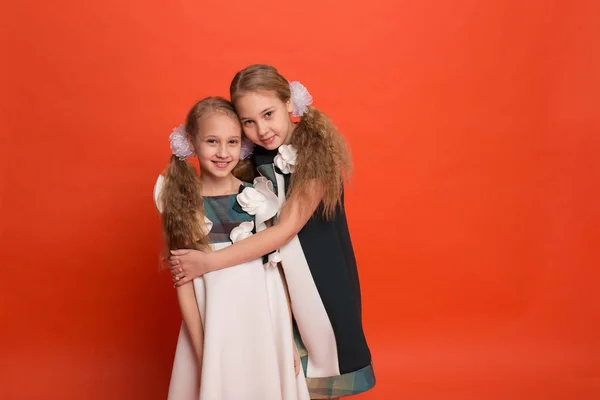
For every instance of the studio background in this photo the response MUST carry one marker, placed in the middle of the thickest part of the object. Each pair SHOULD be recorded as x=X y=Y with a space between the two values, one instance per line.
x=473 y=207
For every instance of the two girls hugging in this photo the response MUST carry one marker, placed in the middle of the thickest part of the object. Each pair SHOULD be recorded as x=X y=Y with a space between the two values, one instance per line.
x=260 y=251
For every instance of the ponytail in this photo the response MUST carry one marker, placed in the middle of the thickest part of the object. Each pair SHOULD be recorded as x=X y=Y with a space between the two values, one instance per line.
x=183 y=207
x=323 y=155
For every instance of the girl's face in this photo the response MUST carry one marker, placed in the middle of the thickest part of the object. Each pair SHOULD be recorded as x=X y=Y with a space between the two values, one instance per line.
x=217 y=144
x=265 y=118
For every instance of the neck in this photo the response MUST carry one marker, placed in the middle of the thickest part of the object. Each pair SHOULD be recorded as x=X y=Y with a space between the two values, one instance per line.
x=219 y=186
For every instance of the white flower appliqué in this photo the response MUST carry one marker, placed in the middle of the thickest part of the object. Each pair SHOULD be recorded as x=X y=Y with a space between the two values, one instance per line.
x=242 y=231
x=274 y=258
x=251 y=200
x=285 y=160
x=260 y=201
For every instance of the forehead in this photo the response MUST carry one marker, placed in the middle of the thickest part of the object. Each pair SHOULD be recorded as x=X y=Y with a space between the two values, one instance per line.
x=219 y=123
x=250 y=104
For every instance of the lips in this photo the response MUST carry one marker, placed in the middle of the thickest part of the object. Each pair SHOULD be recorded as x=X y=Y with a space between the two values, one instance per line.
x=269 y=140
x=221 y=164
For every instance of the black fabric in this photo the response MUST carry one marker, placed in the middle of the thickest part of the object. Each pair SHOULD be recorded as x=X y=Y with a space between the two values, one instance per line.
x=328 y=250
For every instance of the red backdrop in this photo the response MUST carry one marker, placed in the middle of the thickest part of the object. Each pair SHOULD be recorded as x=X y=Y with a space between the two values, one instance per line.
x=474 y=207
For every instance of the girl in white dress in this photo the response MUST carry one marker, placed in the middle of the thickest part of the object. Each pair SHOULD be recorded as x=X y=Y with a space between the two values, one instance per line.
x=236 y=340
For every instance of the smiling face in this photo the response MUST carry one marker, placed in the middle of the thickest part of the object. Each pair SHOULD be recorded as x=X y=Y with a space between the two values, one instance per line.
x=218 y=143
x=265 y=118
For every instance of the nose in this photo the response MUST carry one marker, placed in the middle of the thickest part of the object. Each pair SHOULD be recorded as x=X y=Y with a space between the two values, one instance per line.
x=263 y=128
x=222 y=150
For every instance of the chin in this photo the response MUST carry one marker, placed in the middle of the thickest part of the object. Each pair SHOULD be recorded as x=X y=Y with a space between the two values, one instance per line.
x=220 y=173
x=274 y=145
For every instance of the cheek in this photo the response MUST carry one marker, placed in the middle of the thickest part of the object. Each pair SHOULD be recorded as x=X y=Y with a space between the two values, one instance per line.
x=283 y=125
x=235 y=152
x=251 y=134
x=205 y=153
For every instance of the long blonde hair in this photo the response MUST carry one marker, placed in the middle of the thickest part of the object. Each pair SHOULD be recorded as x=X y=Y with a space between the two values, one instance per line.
x=181 y=197
x=323 y=154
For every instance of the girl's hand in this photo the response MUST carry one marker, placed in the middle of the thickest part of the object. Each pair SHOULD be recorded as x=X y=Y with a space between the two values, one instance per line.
x=186 y=265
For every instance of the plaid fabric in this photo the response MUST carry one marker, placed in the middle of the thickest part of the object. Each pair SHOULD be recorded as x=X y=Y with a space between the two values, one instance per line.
x=224 y=215
x=268 y=171
x=347 y=384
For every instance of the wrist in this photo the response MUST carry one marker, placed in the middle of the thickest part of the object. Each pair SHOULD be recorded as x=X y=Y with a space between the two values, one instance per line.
x=210 y=263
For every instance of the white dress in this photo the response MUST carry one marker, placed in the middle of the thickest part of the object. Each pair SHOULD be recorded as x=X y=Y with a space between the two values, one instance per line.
x=248 y=342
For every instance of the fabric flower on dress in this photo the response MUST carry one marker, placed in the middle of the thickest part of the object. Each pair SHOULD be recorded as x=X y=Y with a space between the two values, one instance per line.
x=260 y=201
x=251 y=200
x=301 y=99
x=180 y=145
x=273 y=259
x=242 y=231
x=285 y=160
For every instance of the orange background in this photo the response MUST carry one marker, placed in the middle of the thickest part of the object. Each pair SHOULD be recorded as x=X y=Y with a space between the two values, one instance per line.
x=474 y=207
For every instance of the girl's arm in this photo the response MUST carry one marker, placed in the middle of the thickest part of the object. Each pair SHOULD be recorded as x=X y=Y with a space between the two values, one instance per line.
x=297 y=210
x=191 y=318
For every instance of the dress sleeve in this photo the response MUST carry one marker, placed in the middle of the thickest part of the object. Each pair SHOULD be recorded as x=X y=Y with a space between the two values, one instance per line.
x=158 y=187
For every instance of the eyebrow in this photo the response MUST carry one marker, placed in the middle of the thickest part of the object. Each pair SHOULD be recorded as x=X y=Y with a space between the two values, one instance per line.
x=262 y=112
x=236 y=136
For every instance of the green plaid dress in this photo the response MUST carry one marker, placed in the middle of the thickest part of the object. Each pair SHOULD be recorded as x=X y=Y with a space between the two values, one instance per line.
x=225 y=214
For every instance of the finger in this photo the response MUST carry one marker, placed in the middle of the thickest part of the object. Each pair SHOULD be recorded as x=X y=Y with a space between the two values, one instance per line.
x=182 y=282
x=175 y=267
x=180 y=252
x=179 y=276
x=174 y=261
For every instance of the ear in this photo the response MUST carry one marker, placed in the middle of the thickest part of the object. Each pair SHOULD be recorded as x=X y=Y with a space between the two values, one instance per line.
x=192 y=143
x=289 y=105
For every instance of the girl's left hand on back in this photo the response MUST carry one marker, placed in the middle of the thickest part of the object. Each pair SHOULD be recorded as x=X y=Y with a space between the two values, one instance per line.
x=186 y=265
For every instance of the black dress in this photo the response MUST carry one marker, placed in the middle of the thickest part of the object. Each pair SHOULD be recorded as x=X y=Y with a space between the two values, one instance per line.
x=320 y=270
